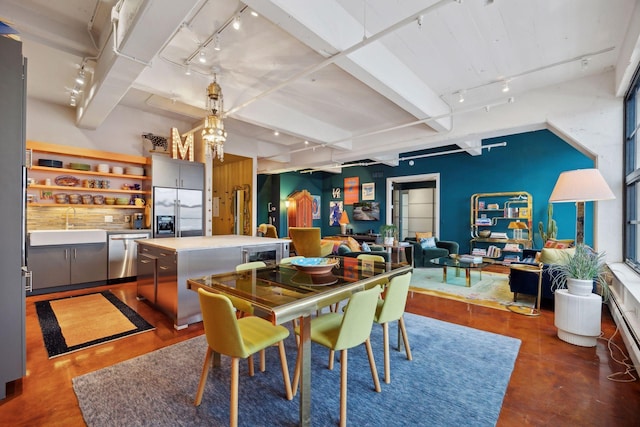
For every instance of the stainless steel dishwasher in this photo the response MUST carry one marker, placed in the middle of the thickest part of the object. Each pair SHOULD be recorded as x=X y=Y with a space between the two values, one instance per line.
x=123 y=252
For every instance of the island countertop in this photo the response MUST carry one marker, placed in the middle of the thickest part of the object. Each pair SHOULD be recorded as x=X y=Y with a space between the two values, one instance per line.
x=179 y=244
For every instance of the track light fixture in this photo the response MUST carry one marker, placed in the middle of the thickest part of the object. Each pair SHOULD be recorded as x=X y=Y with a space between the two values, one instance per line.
x=461 y=96
x=505 y=86
x=187 y=70
x=202 y=57
x=216 y=42
x=236 y=23
x=80 y=78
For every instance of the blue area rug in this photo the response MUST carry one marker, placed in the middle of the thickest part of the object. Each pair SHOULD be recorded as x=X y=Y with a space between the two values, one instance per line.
x=458 y=376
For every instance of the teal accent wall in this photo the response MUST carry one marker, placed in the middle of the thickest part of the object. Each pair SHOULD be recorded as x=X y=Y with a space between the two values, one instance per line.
x=530 y=162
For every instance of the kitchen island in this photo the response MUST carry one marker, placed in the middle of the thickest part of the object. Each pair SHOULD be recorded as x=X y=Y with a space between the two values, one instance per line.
x=165 y=264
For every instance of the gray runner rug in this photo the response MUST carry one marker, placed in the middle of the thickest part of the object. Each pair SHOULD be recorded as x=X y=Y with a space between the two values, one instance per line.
x=458 y=376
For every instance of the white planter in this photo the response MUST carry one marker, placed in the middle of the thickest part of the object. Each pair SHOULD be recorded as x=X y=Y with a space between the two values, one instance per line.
x=388 y=240
x=579 y=286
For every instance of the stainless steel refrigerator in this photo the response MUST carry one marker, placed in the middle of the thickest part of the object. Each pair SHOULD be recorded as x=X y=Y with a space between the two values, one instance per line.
x=177 y=212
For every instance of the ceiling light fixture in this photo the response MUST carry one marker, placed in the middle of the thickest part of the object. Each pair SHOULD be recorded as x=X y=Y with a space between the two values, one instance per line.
x=202 y=57
x=187 y=70
x=236 y=23
x=276 y=133
x=216 y=42
x=461 y=96
x=81 y=78
x=72 y=101
x=584 y=64
x=213 y=132
x=254 y=13
x=505 y=86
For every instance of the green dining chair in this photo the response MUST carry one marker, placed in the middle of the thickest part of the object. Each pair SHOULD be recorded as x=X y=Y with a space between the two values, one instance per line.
x=391 y=308
x=371 y=257
x=341 y=332
x=287 y=260
x=238 y=339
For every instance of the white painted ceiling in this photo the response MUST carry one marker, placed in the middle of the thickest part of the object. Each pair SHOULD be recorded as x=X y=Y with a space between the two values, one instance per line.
x=356 y=79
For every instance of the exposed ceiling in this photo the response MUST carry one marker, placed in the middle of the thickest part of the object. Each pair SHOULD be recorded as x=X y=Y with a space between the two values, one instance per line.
x=356 y=80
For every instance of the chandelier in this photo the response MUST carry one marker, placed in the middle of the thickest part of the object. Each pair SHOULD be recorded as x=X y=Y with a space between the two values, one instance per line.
x=213 y=133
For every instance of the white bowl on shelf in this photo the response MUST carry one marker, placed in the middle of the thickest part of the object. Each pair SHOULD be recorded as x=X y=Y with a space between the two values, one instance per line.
x=117 y=170
x=103 y=168
x=133 y=170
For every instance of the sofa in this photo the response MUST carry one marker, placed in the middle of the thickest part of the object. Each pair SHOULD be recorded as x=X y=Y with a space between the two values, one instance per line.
x=523 y=282
x=349 y=247
x=422 y=256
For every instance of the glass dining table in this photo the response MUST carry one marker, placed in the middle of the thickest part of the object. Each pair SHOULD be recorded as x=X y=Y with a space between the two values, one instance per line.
x=281 y=293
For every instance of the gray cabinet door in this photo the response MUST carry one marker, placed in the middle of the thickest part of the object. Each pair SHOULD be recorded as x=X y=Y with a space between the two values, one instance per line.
x=49 y=265
x=146 y=278
x=167 y=283
x=88 y=263
x=192 y=176
x=165 y=172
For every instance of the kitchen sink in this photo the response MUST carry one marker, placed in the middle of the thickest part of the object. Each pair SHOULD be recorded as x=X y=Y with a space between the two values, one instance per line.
x=66 y=237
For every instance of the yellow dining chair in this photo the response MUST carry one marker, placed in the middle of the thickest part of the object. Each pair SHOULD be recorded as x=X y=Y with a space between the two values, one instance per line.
x=344 y=331
x=307 y=242
x=268 y=230
x=392 y=308
x=244 y=308
x=238 y=339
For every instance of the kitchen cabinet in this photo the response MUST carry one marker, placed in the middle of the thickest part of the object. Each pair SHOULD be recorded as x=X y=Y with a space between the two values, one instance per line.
x=42 y=187
x=165 y=264
x=62 y=265
x=168 y=172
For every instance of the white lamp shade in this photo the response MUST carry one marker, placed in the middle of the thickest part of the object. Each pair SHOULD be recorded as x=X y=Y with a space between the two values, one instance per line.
x=581 y=185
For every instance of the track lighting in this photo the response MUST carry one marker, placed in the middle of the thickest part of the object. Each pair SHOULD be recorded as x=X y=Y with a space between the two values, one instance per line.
x=236 y=23
x=276 y=133
x=461 y=96
x=202 y=57
x=72 y=101
x=216 y=42
x=584 y=64
x=505 y=86
x=187 y=70
x=254 y=13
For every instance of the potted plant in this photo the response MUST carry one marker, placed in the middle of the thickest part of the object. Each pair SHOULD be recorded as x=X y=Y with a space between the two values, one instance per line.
x=390 y=233
x=579 y=272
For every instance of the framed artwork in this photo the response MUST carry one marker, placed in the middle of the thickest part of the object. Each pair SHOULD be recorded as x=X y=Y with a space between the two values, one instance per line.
x=369 y=191
x=315 y=207
x=351 y=190
x=366 y=211
x=335 y=210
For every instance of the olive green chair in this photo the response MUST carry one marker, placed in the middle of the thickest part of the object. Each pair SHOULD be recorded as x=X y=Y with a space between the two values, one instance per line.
x=391 y=308
x=287 y=260
x=238 y=339
x=369 y=257
x=307 y=242
x=344 y=331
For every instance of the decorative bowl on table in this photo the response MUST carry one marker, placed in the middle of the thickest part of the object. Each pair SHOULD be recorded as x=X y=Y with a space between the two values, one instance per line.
x=484 y=233
x=315 y=265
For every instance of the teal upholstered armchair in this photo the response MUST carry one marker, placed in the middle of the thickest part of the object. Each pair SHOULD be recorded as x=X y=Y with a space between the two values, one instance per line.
x=422 y=256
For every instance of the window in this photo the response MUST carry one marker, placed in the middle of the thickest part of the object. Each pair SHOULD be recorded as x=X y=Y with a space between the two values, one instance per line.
x=632 y=174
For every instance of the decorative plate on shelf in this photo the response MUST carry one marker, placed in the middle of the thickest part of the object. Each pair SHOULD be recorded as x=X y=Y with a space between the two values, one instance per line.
x=67 y=180
x=315 y=265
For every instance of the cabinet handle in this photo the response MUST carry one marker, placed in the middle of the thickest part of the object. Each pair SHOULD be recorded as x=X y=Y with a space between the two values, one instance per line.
x=162 y=267
x=75 y=253
x=66 y=254
x=145 y=261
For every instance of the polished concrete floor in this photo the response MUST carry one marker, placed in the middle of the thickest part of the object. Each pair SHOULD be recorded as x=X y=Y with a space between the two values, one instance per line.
x=553 y=383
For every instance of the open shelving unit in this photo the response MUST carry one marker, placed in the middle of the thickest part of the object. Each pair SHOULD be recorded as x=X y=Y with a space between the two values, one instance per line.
x=37 y=150
x=493 y=212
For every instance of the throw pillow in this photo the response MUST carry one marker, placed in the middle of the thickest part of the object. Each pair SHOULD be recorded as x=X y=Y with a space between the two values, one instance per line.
x=343 y=249
x=555 y=256
x=558 y=244
x=353 y=244
x=424 y=235
x=427 y=243
x=365 y=247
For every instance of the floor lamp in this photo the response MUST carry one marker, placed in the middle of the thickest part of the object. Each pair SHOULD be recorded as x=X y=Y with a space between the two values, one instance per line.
x=580 y=186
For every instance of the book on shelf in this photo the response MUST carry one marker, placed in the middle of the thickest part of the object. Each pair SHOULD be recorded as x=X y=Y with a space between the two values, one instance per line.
x=479 y=252
x=498 y=235
x=483 y=221
x=508 y=259
x=511 y=247
x=494 y=252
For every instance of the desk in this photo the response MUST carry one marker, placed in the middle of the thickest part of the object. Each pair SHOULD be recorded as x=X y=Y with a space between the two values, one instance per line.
x=280 y=293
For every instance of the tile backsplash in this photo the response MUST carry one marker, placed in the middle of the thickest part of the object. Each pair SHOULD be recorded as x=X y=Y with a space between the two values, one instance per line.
x=54 y=218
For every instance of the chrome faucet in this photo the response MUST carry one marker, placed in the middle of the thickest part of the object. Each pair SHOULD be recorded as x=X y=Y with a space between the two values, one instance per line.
x=66 y=214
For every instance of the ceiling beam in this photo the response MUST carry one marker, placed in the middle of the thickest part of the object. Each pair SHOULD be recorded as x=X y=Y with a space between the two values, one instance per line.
x=139 y=35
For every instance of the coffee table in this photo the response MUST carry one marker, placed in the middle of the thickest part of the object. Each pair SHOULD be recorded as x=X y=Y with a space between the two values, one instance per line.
x=446 y=262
